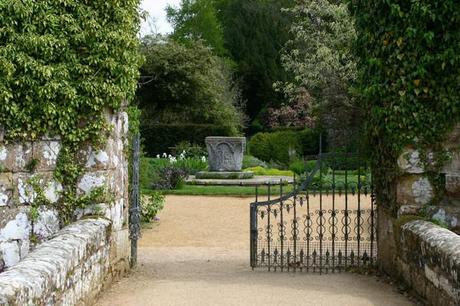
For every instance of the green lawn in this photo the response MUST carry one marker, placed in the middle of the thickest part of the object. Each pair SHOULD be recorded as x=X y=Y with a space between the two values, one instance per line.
x=239 y=191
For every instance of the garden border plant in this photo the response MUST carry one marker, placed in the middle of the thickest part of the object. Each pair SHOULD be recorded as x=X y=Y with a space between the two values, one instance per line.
x=63 y=65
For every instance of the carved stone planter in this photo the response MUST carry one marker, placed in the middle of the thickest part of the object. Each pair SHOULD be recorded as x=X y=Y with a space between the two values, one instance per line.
x=225 y=153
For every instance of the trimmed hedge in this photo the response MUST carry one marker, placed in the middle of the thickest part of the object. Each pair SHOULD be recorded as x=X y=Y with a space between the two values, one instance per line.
x=285 y=145
x=160 y=138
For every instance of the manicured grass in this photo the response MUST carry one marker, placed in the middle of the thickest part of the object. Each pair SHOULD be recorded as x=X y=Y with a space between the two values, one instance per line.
x=239 y=191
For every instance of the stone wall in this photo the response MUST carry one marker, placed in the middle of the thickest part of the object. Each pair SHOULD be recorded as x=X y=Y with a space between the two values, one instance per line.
x=424 y=255
x=415 y=192
x=69 y=269
x=19 y=162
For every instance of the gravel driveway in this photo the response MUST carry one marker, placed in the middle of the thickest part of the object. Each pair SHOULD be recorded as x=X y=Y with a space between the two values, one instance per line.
x=198 y=254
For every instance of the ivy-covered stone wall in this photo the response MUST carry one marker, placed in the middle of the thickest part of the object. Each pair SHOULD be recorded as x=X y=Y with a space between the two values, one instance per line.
x=26 y=175
x=420 y=243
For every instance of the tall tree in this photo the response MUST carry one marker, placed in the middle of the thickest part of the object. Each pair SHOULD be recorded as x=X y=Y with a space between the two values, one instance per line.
x=255 y=32
x=197 y=20
x=319 y=56
x=189 y=84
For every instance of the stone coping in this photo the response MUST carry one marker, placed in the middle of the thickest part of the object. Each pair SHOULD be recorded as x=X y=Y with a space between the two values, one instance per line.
x=67 y=269
x=431 y=257
x=255 y=181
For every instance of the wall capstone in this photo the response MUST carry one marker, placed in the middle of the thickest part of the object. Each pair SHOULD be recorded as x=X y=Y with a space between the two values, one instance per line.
x=69 y=269
x=431 y=256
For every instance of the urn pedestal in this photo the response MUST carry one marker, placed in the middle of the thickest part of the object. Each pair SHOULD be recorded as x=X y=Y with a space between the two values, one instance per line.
x=225 y=158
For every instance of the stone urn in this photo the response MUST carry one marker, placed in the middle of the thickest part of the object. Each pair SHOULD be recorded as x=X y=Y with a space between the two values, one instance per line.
x=225 y=153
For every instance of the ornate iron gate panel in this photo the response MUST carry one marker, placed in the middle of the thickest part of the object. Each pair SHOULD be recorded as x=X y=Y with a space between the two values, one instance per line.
x=327 y=224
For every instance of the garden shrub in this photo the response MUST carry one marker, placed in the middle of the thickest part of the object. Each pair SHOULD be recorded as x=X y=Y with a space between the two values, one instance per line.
x=152 y=173
x=297 y=166
x=147 y=172
x=259 y=146
x=151 y=204
x=170 y=178
x=283 y=146
x=301 y=167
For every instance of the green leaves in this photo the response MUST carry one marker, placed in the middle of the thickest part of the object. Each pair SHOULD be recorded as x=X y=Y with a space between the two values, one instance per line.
x=189 y=84
x=62 y=64
x=78 y=57
x=408 y=75
x=422 y=43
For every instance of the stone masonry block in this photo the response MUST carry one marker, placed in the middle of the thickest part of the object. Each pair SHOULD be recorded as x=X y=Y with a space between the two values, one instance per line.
x=414 y=190
x=15 y=157
x=92 y=180
x=453 y=184
x=6 y=189
x=409 y=161
x=453 y=166
x=24 y=192
x=10 y=253
x=46 y=153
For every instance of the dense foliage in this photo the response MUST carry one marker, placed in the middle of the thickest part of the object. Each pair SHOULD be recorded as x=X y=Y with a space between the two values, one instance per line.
x=319 y=56
x=197 y=20
x=62 y=63
x=284 y=146
x=254 y=34
x=409 y=71
x=189 y=85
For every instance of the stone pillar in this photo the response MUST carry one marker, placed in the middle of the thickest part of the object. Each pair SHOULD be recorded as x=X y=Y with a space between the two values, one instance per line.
x=416 y=199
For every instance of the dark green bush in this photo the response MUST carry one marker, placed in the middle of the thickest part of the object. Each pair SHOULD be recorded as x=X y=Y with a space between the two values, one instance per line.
x=147 y=173
x=283 y=146
x=259 y=146
x=170 y=178
x=298 y=167
x=160 y=138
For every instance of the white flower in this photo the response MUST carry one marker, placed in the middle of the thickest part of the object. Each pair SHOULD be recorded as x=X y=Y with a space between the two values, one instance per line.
x=203 y=159
x=158 y=155
x=164 y=155
x=172 y=160
x=182 y=156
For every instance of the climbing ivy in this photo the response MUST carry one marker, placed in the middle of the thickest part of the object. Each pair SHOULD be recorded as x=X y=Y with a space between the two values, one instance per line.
x=409 y=71
x=62 y=64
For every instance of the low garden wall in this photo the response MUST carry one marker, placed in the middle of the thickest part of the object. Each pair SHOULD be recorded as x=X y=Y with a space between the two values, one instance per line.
x=425 y=256
x=69 y=269
x=30 y=263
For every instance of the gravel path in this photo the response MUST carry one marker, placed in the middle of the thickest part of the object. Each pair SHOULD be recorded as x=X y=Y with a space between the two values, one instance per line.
x=198 y=255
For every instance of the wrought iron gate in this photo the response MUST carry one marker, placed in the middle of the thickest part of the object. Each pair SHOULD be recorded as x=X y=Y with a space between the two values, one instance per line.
x=326 y=224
